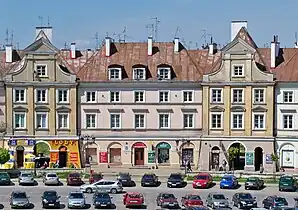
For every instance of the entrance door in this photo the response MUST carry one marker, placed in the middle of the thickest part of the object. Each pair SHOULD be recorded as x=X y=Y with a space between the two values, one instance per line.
x=139 y=156
x=20 y=156
x=62 y=157
x=215 y=160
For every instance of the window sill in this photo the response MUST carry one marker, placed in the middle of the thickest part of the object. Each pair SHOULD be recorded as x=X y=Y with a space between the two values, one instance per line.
x=91 y=102
x=41 y=103
x=235 y=76
x=188 y=102
x=89 y=128
x=188 y=128
x=115 y=102
x=216 y=103
x=288 y=102
x=259 y=129
x=115 y=129
x=237 y=129
x=42 y=129
x=140 y=129
x=63 y=103
x=63 y=129
x=20 y=129
x=20 y=102
x=238 y=103
x=259 y=103
x=216 y=129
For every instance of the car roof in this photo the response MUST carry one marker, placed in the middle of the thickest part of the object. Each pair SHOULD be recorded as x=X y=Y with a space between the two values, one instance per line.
x=51 y=173
x=216 y=193
x=18 y=191
x=76 y=192
x=134 y=193
x=149 y=174
x=228 y=175
x=50 y=191
x=166 y=194
x=26 y=173
x=3 y=173
x=105 y=180
x=124 y=173
x=190 y=194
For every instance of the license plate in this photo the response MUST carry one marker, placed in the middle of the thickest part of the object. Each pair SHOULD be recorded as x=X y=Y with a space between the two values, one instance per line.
x=51 y=204
x=198 y=184
x=171 y=204
x=174 y=184
x=286 y=184
x=249 y=204
x=250 y=184
x=147 y=183
x=134 y=201
x=3 y=179
x=226 y=185
x=103 y=204
x=124 y=180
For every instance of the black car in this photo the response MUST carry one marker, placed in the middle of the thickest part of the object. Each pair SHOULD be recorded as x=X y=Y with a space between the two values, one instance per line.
x=149 y=180
x=50 y=199
x=125 y=179
x=254 y=183
x=102 y=200
x=175 y=180
x=274 y=201
x=244 y=200
x=4 y=178
x=167 y=200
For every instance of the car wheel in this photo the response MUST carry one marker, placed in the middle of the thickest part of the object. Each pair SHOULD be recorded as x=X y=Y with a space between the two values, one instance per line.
x=246 y=188
x=169 y=186
x=142 y=185
x=239 y=206
x=270 y=207
x=89 y=190
x=113 y=191
x=212 y=206
x=280 y=189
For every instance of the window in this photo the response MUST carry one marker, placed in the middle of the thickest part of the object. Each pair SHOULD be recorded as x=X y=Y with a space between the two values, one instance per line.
x=19 y=95
x=41 y=70
x=237 y=96
x=237 y=121
x=63 y=96
x=216 y=121
x=164 y=73
x=238 y=70
x=259 y=95
x=163 y=96
x=114 y=96
x=115 y=74
x=288 y=121
x=41 y=96
x=20 y=120
x=63 y=121
x=139 y=121
x=187 y=96
x=259 y=121
x=288 y=96
x=188 y=121
x=139 y=96
x=90 y=120
x=115 y=121
x=139 y=74
x=91 y=96
x=164 y=121
x=41 y=120
x=216 y=95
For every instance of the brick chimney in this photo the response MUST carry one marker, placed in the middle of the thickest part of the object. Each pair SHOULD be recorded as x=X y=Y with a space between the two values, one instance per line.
x=8 y=53
x=275 y=45
x=73 y=50
x=108 y=46
x=150 y=45
x=176 y=45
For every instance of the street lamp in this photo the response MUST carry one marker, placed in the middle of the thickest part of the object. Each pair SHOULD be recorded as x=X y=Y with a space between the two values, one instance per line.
x=90 y=140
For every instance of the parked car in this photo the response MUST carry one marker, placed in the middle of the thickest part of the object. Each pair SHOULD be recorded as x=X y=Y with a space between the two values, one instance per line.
x=51 y=179
x=4 y=178
x=19 y=199
x=175 y=180
x=244 y=200
x=197 y=208
x=191 y=200
x=202 y=180
x=74 y=179
x=102 y=200
x=103 y=186
x=149 y=180
x=287 y=182
x=274 y=201
x=254 y=183
x=133 y=199
x=167 y=200
x=217 y=200
x=94 y=177
x=125 y=179
x=284 y=208
x=26 y=179
x=228 y=181
x=50 y=199
x=76 y=200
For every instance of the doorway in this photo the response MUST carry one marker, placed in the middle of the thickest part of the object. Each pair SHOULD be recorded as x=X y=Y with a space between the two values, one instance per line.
x=258 y=158
x=215 y=158
x=139 y=156
x=62 y=156
x=20 y=156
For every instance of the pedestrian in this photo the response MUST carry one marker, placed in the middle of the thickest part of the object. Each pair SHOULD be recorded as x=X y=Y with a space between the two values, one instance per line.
x=189 y=166
x=224 y=164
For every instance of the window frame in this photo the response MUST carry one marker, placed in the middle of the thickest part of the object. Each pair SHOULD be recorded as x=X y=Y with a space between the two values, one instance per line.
x=283 y=96
x=192 y=96
x=211 y=95
x=116 y=91
x=161 y=69
x=283 y=121
x=95 y=120
x=139 y=91
x=234 y=68
x=254 y=120
x=135 y=70
x=91 y=92
x=164 y=91
x=114 y=128
x=46 y=95
x=67 y=121
x=58 y=96
x=115 y=69
x=43 y=65
x=144 y=123
x=232 y=120
x=211 y=121
x=233 y=90
x=192 y=120
x=254 y=95
x=14 y=120
x=36 y=120
x=14 y=95
x=169 y=120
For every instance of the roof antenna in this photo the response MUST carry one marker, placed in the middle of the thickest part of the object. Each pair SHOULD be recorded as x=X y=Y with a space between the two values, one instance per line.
x=177 y=31
x=48 y=21
x=97 y=41
x=157 y=21
x=41 y=20
x=11 y=37
x=296 y=38
x=65 y=45
x=150 y=30
x=6 y=36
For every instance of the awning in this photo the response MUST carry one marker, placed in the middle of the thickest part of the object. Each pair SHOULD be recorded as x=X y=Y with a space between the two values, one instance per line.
x=163 y=145
x=139 y=145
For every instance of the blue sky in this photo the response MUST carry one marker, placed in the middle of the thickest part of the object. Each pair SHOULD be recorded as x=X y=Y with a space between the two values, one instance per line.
x=78 y=21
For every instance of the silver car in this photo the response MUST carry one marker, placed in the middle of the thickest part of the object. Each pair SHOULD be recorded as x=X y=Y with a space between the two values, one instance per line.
x=76 y=200
x=19 y=199
x=103 y=186
x=217 y=200
x=51 y=179
x=26 y=179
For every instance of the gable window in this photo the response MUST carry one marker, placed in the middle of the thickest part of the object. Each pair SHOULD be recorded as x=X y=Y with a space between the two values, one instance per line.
x=238 y=70
x=90 y=120
x=188 y=120
x=237 y=95
x=63 y=96
x=114 y=96
x=259 y=121
x=164 y=121
x=187 y=96
x=63 y=120
x=139 y=74
x=41 y=70
x=164 y=73
x=163 y=96
x=216 y=120
x=259 y=95
x=288 y=96
x=91 y=96
x=139 y=121
x=115 y=74
x=41 y=95
x=115 y=121
x=19 y=95
x=20 y=120
x=139 y=96
x=288 y=121
x=41 y=120
x=216 y=95
x=237 y=121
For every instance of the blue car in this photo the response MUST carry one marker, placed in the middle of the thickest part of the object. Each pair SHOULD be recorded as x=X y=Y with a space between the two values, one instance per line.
x=228 y=181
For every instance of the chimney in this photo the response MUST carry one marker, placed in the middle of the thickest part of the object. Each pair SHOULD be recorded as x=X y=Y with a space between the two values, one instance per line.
x=236 y=26
x=274 y=51
x=150 y=45
x=8 y=53
x=48 y=31
x=176 y=45
x=296 y=45
x=212 y=47
x=73 y=50
x=108 y=46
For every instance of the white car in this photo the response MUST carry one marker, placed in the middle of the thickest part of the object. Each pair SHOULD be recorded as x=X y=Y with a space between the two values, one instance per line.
x=103 y=186
x=51 y=179
x=26 y=179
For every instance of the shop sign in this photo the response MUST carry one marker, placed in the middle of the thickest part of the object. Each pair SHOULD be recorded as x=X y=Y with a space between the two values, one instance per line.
x=64 y=142
x=15 y=142
x=139 y=145
x=151 y=157
x=269 y=159
x=103 y=157
x=73 y=156
x=287 y=158
x=249 y=158
x=164 y=145
x=54 y=156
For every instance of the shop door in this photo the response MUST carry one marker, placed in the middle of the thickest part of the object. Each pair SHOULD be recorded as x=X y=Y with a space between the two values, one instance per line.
x=187 y=155
x=215 y=160
x=91 y=154
x=139 y=156
x=62 y=156
x=115 y=155
x=20 y=156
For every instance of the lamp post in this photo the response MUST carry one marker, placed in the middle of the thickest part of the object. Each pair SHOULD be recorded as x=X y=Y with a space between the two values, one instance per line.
x=90 y=140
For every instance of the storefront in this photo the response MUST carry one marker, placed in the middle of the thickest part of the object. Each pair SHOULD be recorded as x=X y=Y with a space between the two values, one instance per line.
x=19 y=148
x=163 y=153
x=138 y=155
x=287 y=156
x=115 y=150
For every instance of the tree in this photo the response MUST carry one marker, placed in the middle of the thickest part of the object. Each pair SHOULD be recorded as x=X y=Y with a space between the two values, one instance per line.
x=4 y=156
x=233 y=152
x=275 y=159
x=43 y=148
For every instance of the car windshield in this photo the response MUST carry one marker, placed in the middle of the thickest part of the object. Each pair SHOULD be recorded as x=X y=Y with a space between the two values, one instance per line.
x=286 y=179
x=76 y=196
x=219 y=197
x=19 y=195
x=51 y=175
x=202 y=177
x=194 y=197
x=175 y=176
x=3 y=175
x=103 y=196
x=168 y=196
x=74 y=175
x=50 y=194
x=135 y=195
x=148 y=177
x=26 y=175
x=280 y=200
x=227 y=178
x=245 y=196
x=252 y=179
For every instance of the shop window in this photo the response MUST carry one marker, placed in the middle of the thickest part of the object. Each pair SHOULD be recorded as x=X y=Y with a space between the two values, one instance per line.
x=187 y=155
x=163 y=155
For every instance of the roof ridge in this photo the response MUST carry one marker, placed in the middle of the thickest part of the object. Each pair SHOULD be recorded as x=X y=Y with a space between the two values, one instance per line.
x=88 y=61
x=250 y=40
x=288 y=61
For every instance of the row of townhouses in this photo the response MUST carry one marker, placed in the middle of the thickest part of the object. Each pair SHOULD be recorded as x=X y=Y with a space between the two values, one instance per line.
x=152 y=103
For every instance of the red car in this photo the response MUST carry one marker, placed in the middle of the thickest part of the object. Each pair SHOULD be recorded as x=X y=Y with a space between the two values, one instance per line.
x=191 y=201
x=133 y=199
x=202 y=180
x=95 y=177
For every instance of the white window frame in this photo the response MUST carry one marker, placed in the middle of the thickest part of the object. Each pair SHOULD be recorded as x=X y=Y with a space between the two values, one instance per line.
x=283 y=96
x=221 y=120
x=91 y=92
x=36 y=95
x=162 y=69
x=164 y=91
x=113 y=128
x=115 y=69
x=36 y=120
x=136 y=76
x=169 y=121
x=234 y=68
x=14 y=95
x=254 y=120
x=135 y=123
x=14 y=120
x=283 y=124
x=135 y=98
x=68 y=92
x=111 y=101
x=232 y=121
x=187 y=97
x=41 y=65
x=95 y=120
x=232 y=95
x=211 y=95
x=67 y=122
x=188 y=121
x=255 y=98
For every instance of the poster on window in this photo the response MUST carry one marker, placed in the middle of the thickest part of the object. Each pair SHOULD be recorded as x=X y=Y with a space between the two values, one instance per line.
x=287 y=158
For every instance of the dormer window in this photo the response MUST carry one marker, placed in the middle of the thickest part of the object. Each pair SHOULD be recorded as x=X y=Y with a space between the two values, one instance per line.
x=164 y=73
x=139 y=74
x=115 y=74
x=41 y=70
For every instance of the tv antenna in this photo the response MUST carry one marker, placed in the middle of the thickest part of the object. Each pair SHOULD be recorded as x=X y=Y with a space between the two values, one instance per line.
x=205 y=36
x=11 y=37
x=123 y=33
x=6 y=36
x=296 y=38
x=157 y=22
x=150 y=30
x=96 y=37
x=189 y=44
x=41 y=20
x=65 y=45
x=49 y=21
x=178 y=29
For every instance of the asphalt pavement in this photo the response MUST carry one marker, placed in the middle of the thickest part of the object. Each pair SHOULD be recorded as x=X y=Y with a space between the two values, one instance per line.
x=150 y=194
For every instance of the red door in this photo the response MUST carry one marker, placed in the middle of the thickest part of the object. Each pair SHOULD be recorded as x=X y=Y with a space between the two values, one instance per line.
x=139 y=156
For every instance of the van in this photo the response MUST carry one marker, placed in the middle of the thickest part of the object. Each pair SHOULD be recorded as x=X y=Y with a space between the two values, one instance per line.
x=287 y=182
